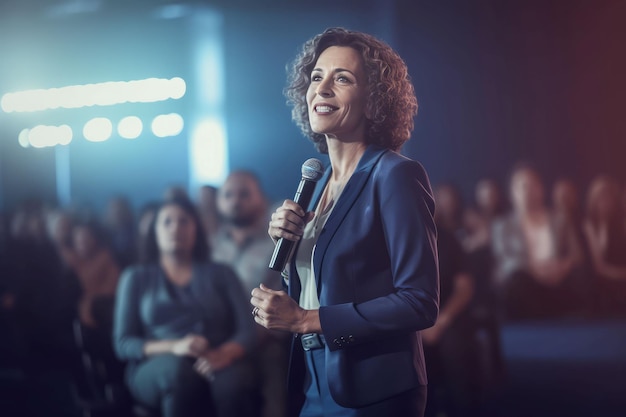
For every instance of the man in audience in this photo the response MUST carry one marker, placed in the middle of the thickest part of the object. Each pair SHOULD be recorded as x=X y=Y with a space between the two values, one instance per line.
x=242 y=242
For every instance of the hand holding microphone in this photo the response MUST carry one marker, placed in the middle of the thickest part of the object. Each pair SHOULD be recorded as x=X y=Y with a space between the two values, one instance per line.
x=287 y=223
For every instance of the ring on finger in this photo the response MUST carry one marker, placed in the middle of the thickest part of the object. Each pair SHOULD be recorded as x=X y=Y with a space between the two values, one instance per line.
x=255 y=312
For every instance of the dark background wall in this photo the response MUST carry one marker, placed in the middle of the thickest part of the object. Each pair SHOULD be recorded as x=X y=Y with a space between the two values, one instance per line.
x=497 y=82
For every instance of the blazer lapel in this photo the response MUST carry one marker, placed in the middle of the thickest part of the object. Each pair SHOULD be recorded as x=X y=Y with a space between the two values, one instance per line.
x=349 y=195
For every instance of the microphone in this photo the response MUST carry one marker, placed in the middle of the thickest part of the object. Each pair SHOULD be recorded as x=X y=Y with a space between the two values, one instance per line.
x=312 y=171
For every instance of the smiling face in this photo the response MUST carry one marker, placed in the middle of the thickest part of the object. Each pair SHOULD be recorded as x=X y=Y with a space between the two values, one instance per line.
x=337 y=95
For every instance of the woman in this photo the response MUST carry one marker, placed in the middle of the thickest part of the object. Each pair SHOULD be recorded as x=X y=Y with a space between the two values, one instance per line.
x=97 y=271
x=538 y=260
x=182 y=321
x=606 y=238
x=364 y=279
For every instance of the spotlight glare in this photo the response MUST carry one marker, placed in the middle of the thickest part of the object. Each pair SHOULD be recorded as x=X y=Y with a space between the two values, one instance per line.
x=177 y=88
x=101 y=94
x=65 y=135
x=130 y=127
x=209 y=151
x=167 y=125
x=42 y=136
x=98 y=129
x=23 y=138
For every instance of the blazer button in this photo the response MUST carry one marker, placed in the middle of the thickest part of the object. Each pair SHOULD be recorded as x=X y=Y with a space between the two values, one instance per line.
x=350 y=338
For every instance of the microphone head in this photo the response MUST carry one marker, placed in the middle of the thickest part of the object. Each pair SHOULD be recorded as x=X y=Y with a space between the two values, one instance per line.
x=312 y=169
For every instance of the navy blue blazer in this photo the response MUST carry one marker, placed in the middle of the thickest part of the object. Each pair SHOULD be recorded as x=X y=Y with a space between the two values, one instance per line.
x=378 y=282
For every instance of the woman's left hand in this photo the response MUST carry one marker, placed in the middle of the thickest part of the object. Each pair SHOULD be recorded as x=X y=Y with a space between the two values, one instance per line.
x=217 y=359
x=276 y=310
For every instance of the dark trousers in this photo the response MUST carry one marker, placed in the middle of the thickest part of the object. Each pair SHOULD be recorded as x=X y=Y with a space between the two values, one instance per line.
x=170 y=384
x=319 y=402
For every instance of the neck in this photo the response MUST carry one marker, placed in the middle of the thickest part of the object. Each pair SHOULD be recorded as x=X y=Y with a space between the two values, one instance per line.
x=344 y=158
x=241 y=234
x=176 y=260
x=533 y=213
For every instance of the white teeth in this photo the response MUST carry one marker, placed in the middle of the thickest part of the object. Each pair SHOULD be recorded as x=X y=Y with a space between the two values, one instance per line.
x=324 y=109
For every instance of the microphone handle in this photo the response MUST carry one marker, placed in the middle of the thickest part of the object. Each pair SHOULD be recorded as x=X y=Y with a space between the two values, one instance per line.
x=284 y=247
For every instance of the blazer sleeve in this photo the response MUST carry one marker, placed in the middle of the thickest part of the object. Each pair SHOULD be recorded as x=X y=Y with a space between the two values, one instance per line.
x=406 y=208
x=128 y=339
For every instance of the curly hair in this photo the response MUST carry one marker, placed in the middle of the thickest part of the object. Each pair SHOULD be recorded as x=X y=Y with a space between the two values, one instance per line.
x=391 y=102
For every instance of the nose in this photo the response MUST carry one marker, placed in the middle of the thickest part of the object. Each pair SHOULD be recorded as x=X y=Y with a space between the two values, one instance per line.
x=323 y=89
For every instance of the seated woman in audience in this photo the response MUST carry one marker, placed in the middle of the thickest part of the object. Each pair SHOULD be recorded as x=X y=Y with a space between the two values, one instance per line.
x=536 y=258
x=183 y=323
x=606 y=238
x=97 y=272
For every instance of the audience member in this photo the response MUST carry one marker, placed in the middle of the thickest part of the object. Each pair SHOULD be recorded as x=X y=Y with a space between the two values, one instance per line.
x=60 y=225
x=242 y=243
x=97 y=272
x=606 y=239
x=450 y=208
x=489 y=198
x=119 y=221
x=568 y=216
x=183 y=324
x=42 y=316
x=35 y=278
x=566 y=202
x=479 y=220
x=535 y=257
x=478 y=223
x=448 y=347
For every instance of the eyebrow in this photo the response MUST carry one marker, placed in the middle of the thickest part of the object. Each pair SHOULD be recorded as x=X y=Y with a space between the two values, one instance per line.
x=336 y=70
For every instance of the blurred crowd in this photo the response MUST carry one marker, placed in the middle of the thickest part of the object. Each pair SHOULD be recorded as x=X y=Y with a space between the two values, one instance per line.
x=518 y=251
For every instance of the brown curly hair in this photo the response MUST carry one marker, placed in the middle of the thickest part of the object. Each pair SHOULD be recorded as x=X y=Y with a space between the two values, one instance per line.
x=391 y=101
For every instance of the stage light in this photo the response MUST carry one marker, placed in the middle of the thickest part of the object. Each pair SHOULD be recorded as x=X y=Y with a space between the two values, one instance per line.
x=66 y=134
x=98 y=129
x=178 y=88
x=167 y=125
x=208 y=152
x=130 y=127
x=23 y=138
x=101 y=94
x=43 y=136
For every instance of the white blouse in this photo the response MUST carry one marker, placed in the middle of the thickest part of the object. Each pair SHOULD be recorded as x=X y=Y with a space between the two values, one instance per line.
x=304 y=258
